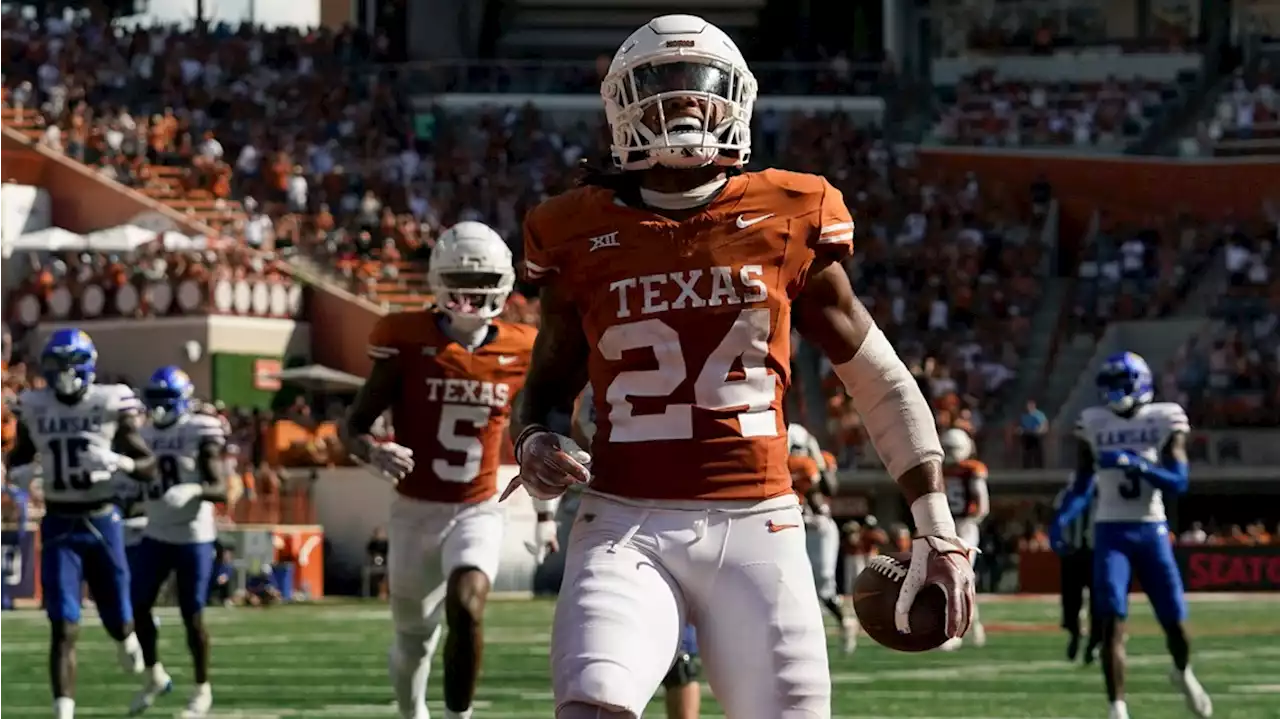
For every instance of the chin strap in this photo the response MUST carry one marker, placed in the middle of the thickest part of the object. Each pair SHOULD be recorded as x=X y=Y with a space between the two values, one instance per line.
x=687 y=200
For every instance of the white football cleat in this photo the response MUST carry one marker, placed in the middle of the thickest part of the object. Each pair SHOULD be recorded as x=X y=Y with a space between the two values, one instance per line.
x=157 y=684
x=129 y=654
x=1119 y=710
x=1198 y=700
x=951 y=644
x=200 y=704
x=849 y=633
x=978 y=635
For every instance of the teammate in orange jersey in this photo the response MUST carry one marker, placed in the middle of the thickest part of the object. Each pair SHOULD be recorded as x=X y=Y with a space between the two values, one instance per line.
x=672 y=287
x=970 y=502
x=449 y=376
x=822 y=536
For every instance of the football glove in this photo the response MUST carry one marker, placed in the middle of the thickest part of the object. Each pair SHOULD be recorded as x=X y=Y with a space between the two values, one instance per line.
x=948 y=563
x=183 y=495
x=549 y=464
x=97 y=459
x=390 y=461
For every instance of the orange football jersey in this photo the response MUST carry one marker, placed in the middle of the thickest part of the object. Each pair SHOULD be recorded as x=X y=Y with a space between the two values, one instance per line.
x=962 y=495
x=690 y=327
x=804 y=474
x=453 y=405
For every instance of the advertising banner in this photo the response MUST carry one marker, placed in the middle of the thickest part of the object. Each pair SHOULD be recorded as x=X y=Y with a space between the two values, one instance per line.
x=1204 y=568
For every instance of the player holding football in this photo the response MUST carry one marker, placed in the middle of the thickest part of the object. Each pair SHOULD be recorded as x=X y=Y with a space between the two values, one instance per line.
x=672 y=287
x=449 y=376
x=78 y=434
x=970 y=502
x=1132 y=451
x=180 y=531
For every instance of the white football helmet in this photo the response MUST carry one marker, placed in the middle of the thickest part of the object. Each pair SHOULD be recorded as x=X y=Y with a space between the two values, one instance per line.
x=957 y=446
x=471 y=274
x=679 y=56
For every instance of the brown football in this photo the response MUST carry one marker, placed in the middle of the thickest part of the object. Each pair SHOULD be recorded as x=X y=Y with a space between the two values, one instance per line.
x=874 y=595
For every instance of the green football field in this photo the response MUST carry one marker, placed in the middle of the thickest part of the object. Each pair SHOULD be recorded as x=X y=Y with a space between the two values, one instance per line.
x=329 y=660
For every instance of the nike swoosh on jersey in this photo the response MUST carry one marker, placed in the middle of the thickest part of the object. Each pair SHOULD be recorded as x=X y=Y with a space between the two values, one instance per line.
x=774 y=527
x=743 y=223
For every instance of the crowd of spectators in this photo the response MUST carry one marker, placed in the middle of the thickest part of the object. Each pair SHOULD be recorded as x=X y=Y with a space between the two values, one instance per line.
x=1248 y=110
x=1230 y=375
x=332 y=165
x=948 y=267
x=990 y=111
x=1141 y=270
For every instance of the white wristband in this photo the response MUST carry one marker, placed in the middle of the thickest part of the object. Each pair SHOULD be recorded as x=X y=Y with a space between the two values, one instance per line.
x=932 y=516
x=545 y=506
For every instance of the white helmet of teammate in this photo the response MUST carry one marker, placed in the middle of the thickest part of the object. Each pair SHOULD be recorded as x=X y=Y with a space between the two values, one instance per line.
x=679 y=56
x=957 y=445
x=471 y=274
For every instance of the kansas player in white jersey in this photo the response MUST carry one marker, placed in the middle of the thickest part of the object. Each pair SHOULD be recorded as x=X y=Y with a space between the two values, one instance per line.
x=1131 y=452
x=77 y=435
x=180 y=531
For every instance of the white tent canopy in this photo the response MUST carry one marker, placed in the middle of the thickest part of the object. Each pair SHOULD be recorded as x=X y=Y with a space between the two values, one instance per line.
x=52 y=239
x=119 y=239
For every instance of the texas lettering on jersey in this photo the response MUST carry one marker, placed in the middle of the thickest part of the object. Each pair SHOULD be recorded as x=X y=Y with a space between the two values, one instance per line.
x=453 y=405
x=690 y=327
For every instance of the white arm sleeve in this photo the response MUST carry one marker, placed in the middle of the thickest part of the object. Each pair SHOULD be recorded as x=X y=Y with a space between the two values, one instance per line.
x=894 y=411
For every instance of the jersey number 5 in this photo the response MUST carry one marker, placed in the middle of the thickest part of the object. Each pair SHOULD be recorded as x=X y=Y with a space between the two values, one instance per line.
x=451 y=415
x=66 y=464
x=747 y=339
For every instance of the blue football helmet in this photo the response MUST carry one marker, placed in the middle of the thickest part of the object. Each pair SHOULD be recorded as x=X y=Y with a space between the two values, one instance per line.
x=1125 y=382
x=69 y=363
x=168 y=394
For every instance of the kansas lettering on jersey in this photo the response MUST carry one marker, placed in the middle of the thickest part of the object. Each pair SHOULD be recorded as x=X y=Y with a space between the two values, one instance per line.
x=690 y=327
x=177 y=449
x=1145 y=433
x=962 y=479
x=62 y=432
x=453 y=405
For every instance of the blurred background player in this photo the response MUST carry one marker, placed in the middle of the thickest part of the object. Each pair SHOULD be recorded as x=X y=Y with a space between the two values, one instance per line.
x=449 y=376
x=683 y=692
x=970 y=502
x=1130 y=452
x=822 y=537
x=77 y=434
x=180 y=532
x=15 y=513
x=862 y=541
x=1073 y=542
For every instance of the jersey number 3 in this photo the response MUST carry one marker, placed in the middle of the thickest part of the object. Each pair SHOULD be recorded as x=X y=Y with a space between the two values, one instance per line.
x=747 y=339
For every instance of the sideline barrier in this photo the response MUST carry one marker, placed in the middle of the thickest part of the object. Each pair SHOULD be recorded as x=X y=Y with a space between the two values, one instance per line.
x=1205 y=568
